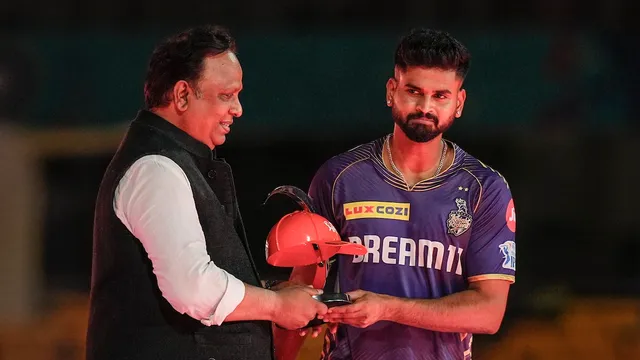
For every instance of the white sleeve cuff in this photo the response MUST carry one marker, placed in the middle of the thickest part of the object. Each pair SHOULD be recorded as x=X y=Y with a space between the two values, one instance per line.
x=233 y=295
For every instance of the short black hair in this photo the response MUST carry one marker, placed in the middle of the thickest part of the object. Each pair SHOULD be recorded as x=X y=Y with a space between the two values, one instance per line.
x=432 y=49
x=180 y=57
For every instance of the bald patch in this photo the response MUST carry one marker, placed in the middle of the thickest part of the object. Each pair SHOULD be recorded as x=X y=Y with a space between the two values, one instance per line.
x=222 y=71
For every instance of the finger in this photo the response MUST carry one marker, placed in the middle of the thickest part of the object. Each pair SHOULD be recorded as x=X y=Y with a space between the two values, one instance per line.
x=311 y=290
x=357 y=322
x=356 y=294
x=342 y=317
x=321 y=310
x=333 y=327
x=346 y=309
x=315 y=333
x=333 y=319
x=302 y=332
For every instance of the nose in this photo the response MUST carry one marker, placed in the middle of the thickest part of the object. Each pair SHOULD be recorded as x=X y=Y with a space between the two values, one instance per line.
x=424 y=105
x=236 y=109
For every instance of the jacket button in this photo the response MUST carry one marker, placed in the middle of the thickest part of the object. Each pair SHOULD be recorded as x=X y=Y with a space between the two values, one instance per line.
x=211 y=174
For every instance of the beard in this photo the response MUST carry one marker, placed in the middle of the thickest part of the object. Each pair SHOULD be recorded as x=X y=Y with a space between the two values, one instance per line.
x=418 y=132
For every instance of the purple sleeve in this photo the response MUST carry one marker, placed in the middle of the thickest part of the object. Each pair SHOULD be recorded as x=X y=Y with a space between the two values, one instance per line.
x=321 y=192
x=492 y=249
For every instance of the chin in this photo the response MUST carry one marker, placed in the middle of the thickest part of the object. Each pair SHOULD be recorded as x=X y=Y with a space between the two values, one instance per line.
x=219 y=140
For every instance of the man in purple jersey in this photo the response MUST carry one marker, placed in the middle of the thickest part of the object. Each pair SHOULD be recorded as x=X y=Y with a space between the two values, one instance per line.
x=439 y=225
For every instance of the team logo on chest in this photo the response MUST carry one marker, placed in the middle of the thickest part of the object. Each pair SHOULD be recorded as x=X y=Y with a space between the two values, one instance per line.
x=459 y=220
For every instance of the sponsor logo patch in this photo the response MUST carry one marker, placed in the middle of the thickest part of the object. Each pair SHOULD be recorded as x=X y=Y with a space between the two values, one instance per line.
x=511 y=216
x=376 y=210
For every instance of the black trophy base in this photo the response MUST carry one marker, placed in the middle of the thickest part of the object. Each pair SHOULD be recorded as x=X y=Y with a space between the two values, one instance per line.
x=331 y=300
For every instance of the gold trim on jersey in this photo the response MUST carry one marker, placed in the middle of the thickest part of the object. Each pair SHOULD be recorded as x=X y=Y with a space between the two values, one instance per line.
x=509 y=278
x=333 y=186
x=467 y=353
x=480 y=192
x=425 y=185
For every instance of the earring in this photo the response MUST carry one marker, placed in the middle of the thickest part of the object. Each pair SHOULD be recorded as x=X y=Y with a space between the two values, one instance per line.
x=388 y=102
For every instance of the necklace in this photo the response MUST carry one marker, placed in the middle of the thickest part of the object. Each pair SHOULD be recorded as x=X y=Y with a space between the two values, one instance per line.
x=395 y=168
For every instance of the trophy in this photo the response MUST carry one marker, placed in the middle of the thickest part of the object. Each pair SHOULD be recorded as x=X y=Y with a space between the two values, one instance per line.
x=305 y=238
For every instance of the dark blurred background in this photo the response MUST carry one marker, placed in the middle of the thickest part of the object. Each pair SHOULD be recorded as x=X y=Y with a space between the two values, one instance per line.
x=552 y=104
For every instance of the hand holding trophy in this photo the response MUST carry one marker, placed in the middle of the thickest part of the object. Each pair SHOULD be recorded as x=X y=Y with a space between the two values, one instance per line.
x=305 y=241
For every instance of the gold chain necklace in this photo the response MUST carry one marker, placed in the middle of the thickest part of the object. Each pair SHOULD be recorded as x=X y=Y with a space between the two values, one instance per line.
x=395 y=168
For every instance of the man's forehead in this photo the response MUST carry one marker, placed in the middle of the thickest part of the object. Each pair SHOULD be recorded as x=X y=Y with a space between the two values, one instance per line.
x=427 y=77
x=222 y=68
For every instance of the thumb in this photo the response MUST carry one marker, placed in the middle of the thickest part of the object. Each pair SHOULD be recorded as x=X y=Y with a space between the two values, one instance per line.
x=311 y=290
x=321 y=308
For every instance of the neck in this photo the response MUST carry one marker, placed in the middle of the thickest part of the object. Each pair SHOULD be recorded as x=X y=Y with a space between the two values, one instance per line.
x=169 y=115
x=174 y=118
x=413 y=158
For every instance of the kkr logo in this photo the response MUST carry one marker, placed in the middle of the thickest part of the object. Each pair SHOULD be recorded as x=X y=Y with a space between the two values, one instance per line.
x=376 y=210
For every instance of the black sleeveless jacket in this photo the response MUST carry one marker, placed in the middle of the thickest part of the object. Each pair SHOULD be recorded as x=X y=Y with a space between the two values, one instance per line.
x=129 y=317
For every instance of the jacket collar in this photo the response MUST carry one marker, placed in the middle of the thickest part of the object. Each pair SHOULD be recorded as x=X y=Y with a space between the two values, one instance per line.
x=186 y=141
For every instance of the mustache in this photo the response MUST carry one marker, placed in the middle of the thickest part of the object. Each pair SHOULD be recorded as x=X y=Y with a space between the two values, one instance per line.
x=420 y=115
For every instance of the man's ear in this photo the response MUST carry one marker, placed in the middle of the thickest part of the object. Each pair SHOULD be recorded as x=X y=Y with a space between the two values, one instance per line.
x=391 y=89
x=181 y=95
x=462 y=96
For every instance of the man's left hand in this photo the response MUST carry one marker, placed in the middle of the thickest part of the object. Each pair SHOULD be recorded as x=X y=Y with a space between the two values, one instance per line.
x=367 y=309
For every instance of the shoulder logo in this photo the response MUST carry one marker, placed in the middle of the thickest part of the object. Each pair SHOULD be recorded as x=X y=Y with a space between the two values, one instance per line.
x=459 y=220
x=511 y=216
x=508 y=251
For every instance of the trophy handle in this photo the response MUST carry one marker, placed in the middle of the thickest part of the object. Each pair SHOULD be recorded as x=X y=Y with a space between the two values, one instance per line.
x=297 y=194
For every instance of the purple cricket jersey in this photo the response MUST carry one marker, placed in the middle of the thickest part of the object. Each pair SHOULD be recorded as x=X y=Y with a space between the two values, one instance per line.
x=423 y=243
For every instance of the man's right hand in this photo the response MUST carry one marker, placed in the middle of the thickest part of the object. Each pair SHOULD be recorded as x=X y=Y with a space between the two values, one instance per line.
x=296 y=307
